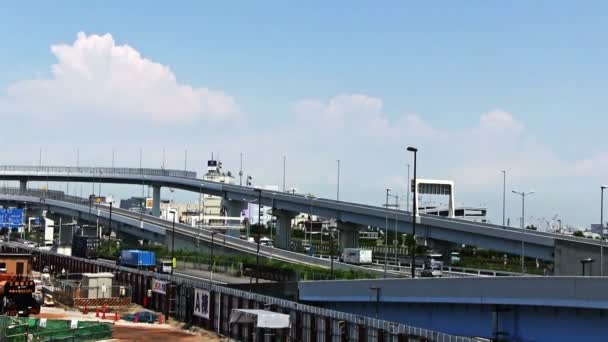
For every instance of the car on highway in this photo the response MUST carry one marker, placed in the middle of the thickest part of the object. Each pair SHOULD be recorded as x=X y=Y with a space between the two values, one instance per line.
x=431 y=272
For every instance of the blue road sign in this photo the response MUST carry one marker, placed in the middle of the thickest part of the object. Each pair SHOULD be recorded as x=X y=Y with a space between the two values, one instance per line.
x=11 y=217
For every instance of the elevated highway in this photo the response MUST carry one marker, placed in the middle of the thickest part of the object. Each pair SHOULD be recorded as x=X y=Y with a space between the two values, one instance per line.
x=564 y=251
x=156 y=229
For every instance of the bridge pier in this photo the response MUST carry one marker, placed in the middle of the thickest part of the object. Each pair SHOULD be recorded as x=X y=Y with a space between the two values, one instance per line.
x=234 y=208
x=284 y=217
x=349 y=234
x=156 y=200
x=22 y=185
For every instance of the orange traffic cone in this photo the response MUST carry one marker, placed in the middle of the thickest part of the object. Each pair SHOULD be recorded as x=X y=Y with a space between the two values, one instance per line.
x=115 y=316
x=86 y=310
x=161 y=319
x=103 y=316
x=97 y=312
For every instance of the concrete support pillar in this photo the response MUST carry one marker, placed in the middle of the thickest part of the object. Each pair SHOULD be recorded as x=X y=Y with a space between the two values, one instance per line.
x=349 y=235
x=234 y=208
x=284 y=218
x=156 y=200
x=22 y=185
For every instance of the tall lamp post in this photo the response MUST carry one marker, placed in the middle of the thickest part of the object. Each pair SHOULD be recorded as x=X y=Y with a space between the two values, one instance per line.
x=602 y=233
x=110 y=226
x=396 y=206
x=338 y=183
x=523 y=210
x=414 y=213
x=173 y=244
x=388 y=190
x=504 y=187
x=284 y=167
x=257 y=256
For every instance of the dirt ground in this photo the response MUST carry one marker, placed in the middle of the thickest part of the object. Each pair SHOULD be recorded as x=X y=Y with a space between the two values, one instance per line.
x=129 y=331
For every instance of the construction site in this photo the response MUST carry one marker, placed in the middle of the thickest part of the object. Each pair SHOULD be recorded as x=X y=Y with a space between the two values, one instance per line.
x=53 y=305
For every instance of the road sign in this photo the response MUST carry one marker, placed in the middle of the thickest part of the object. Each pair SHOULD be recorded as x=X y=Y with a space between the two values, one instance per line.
x=11 y=217
x=201 y=303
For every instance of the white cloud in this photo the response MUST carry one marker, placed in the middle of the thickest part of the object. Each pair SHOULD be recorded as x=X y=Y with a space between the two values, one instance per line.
x=96 y=77
x=499 y=120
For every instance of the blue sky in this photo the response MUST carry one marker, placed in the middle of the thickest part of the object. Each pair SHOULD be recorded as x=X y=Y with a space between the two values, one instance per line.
x=436 y=67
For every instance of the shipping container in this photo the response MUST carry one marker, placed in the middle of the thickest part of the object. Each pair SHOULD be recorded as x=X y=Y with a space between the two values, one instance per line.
x=137 y=259
x=85 y=246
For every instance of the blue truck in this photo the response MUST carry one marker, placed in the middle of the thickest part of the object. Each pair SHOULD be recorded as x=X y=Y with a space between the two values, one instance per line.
x=134 y=258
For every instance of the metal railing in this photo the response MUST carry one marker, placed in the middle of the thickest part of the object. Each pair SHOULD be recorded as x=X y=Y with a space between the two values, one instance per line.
x=96 y=171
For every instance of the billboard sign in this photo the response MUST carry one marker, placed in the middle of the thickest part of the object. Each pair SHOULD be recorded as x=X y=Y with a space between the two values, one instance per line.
x=149 y=203
x=201 y=303
x=159 y=286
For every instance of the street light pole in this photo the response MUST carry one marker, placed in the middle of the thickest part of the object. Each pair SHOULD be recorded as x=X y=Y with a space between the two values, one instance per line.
x=110 y=225
x=284 y=166
x=338 y=184
x=504 y=186
x=408 y=185
x=173 y=244
x=414 y=213
x=523 y=208
x=602 y=232
x=257 y=257
x=388 y=190
x=241 y=171
x=396 y=243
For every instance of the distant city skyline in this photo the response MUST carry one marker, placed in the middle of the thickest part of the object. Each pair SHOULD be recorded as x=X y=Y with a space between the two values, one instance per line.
x=478 y=87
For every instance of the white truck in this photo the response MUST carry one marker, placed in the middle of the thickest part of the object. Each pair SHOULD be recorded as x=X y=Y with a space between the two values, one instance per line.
x=356 y=256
